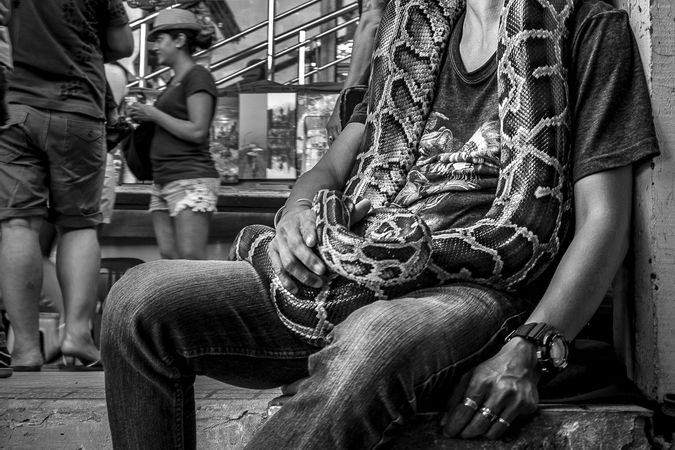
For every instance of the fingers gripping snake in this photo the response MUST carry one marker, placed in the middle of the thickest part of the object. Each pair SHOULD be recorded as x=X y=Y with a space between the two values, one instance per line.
x=392 y=251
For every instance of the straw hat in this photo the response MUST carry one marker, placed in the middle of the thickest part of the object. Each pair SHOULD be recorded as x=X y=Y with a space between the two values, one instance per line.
x=174 y=19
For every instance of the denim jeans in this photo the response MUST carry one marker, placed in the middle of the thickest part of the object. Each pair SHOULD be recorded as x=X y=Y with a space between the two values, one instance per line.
x=167 y=321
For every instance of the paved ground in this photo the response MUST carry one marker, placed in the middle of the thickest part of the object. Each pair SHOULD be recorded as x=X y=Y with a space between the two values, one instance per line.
x=66 y=410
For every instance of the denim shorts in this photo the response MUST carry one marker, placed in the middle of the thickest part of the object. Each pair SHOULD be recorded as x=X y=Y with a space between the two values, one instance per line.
x=52 y=164
x=196 y=194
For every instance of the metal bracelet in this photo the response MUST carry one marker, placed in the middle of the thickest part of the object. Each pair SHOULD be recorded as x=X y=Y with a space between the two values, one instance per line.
x=277 y=216
x=305 y=201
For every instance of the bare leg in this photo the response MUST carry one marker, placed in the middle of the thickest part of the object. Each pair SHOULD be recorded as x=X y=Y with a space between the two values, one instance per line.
x=77 y=264
x=50 y=283
x=165 y=234
x=192 y=233
x=50 y=287
x=21 y=282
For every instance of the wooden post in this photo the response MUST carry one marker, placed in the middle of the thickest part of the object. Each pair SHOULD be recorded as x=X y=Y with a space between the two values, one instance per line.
x=654 y=206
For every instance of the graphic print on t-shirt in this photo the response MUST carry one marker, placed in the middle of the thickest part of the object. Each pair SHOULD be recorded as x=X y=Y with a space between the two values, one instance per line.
x=446 y=165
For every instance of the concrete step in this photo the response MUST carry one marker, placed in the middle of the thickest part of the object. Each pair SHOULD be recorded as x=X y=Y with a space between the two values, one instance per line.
x=573 y=427
x=66 y=410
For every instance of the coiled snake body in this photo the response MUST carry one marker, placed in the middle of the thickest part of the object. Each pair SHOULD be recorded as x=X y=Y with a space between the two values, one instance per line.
x=392 y=251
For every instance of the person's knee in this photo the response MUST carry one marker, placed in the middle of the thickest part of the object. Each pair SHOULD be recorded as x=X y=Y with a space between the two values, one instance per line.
x=370 y=335
x=387 y=336
x=132 y=300
x=20 y=225
x=365 y=356
x=372 y=325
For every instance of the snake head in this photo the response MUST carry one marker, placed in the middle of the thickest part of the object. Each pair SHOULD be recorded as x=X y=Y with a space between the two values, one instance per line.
x=339 y=208
x=331 y=208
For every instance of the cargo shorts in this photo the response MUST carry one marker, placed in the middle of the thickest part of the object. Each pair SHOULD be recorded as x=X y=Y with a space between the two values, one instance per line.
x=52 y=165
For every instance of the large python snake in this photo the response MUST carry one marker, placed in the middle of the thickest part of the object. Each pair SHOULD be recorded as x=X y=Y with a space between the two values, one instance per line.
x=392 y=251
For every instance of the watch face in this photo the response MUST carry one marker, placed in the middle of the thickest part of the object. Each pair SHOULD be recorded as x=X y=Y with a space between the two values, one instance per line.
x=558 y=351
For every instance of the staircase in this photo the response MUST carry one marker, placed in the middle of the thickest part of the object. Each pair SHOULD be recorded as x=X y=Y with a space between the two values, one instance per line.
x=296 y=41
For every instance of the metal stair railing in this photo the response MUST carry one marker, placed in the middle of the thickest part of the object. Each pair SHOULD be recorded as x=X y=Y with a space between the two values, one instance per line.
x=299 y=31
x=270 y=43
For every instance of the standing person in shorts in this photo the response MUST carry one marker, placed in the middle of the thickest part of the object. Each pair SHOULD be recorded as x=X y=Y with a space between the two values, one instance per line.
x=185 y=179
x=52 y=160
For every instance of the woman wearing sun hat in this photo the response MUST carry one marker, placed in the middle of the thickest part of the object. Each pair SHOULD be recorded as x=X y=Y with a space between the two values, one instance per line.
x=185 y=180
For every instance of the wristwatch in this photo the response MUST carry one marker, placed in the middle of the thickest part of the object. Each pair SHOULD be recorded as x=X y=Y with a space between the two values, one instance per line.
x=552 y=348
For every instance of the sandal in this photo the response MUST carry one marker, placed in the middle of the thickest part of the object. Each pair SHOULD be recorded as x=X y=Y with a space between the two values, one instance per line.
x=75 y=364
x=37 y=368
x=5 y=358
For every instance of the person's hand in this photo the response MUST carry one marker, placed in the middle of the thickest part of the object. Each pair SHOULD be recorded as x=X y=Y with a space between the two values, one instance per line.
x=334 y=126
x=112 y=116
x=141 y=112
x=292 y=249
x=498 y=391
x=293 y=388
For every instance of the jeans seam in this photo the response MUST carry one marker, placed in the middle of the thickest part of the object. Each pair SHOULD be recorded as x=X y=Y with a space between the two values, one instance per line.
x=448 y=367
x=46 y=127
x=179 y=419
x=237 y=351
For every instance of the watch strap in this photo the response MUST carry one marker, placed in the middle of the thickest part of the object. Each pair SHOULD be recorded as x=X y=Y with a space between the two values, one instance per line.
x=532 y=331
x=539 y=333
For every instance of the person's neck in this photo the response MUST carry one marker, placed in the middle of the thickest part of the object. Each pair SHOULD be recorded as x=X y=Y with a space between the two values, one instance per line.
x=479 y=34
x=181 y=67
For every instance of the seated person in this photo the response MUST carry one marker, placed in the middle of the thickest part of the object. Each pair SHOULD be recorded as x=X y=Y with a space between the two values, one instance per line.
x=439 y=346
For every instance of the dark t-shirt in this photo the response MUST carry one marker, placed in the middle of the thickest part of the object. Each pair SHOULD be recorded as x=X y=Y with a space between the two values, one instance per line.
x=58 y=62
x=460 y=147
x=174 y=158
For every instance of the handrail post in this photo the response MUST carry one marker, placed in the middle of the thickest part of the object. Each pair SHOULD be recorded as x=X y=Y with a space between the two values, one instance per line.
x=142 y=54
x=301 y=57
x=270 y=39
x=328 y=43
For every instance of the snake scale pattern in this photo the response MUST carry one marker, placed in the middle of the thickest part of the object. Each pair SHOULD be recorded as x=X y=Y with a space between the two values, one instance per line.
x=392 y=251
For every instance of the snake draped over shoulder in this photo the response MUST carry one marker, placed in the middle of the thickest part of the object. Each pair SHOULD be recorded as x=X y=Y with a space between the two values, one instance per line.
x=392 y=251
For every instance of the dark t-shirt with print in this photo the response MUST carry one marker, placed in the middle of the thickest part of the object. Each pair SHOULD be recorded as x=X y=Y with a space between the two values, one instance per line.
x=460 y=147
x=174 y=158
x=58 y=62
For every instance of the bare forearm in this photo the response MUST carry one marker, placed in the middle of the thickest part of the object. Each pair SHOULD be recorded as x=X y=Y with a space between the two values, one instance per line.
x=592 y=259
x=332 y=170
x=309 y=184
x=581 y=281
x=364 y=42
x=362 y=51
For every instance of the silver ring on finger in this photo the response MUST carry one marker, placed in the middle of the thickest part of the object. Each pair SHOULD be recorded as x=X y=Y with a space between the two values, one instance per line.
x=503 y=421
x=488 y=414
x=470 y=403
